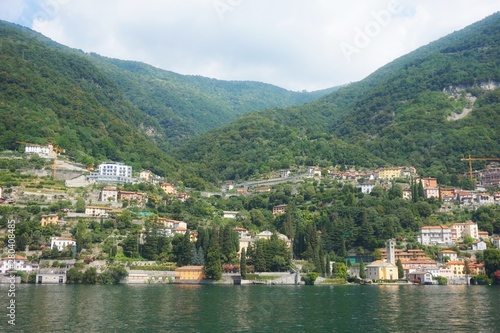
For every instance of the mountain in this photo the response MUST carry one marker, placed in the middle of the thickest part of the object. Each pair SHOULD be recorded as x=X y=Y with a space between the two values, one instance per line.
x=107 y=109
x=186 y=106
x=428 y=108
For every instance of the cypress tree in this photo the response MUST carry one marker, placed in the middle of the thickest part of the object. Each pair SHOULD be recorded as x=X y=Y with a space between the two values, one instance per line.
x=243 y=264
x=328 y=269
x=401 y=271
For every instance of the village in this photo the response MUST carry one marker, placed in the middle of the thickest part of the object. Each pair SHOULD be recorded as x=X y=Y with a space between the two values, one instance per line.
x=460 y=244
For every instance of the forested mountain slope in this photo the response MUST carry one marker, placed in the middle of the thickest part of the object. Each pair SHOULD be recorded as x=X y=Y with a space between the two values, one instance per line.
x=428 y=108
x=106 y=109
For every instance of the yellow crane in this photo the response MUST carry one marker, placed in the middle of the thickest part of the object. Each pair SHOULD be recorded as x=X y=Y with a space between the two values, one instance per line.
x=470 y=159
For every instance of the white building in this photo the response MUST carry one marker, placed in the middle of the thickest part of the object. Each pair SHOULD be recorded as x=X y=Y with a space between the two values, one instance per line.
x=465 y=229
x=436 y=235
x=97 y=211
x=61 y=242
x=18 y=263
x=112 y=172
x=367 y=188
x=108 y=194
x=44 y=151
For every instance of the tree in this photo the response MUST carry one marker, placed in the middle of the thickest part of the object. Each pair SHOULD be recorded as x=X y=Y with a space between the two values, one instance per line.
x=401 y=271
x=491 y=261
x=90 y=276
x=74 y=276
x=362 y=271
x=213 y=264
x=243 y=264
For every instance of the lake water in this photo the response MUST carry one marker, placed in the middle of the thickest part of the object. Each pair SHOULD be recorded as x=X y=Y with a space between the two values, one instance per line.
x=254 y=308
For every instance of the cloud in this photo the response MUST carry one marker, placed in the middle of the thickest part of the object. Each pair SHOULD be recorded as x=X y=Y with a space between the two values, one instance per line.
x=293 y=44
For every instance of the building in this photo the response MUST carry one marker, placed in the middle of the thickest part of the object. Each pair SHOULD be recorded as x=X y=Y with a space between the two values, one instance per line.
x=367 y=188
x=190 y=273
x=146 y=175
x=51 y=276
x=168 y=188
x=49 y=219
x=465 y=229
x=279 y=209
x=479 y=246
x=108 y=194
x=284 y=173
x=18 y=263
x=450 y=254
x=61 y=242
x=496 y=242
x=112 y=172
x=43 y=151
x=171 y=227
x=390 y=173
x=129 y=196
x=431 y=192
x=230 y=214
x=457 y=267
x=447 y=194
x=381 y=270
x=266 y=234
x=483 y=235
x=436 y=235
x=262 y=189
x=97 y=211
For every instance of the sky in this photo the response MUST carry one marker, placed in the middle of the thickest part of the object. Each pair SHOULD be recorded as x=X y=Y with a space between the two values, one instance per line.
x=294 y=44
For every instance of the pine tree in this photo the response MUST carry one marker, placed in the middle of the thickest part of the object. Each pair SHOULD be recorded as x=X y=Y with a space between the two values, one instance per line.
x=328 y=268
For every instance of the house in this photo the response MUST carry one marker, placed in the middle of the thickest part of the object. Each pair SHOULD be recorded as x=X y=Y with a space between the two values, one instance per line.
x=266 y=234
x=108 y=194
x=61 y=242
x=496 y=242
x=483 y=235
x=112 y=172
x=241 y=231
x=230 y=214
x=485 y=199
x=436 y=235
x=227 y=187
x=450 y=254
x=479 y=246
x=367 y=188
x=381 y=270
x=284 y=173
x=447 y=194
x=465 y=197
x=171 y=227
x=279 y=209
x=129 y=196
x=190 y=273
x=242 y=191
x=18 y=263
x=49 y=219
x=429 y=182
x=314 y=171
x=431 y=192
x=146 y=175
x=183 y=196
x=168 y=188
x=262 y=189
x=97 y=211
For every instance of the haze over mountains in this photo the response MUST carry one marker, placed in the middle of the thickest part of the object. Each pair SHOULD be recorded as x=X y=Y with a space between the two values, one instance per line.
x=428 y=109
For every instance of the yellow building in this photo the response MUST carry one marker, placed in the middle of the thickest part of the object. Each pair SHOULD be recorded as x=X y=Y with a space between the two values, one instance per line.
x=457 y=267
x=50 y=219
x=389 y=173
x=381 y=270
x=189 y=273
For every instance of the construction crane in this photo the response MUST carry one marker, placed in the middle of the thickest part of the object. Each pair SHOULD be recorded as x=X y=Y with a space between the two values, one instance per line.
x=470 y=159
x=56 y=150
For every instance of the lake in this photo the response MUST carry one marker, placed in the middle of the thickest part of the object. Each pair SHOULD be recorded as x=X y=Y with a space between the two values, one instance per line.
x=254 y=308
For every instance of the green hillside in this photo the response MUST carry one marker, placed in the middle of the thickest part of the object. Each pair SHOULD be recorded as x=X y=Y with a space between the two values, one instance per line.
x=107 y=109
x=189 y=105
x=396 y=116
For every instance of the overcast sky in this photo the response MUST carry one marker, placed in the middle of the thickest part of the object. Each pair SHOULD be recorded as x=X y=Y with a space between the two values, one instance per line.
x=294 y=44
